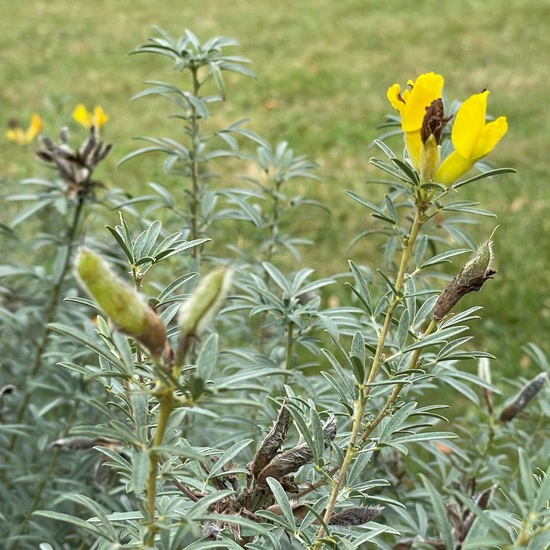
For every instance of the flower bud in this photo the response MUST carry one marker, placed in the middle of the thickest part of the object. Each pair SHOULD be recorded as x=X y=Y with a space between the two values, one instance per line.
x=471 y=278
x=523 y=398
x=429 y=159
x=205 y=301
x=122 y=304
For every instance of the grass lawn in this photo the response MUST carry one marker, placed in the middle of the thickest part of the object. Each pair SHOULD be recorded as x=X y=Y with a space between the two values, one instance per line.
x=323 y=68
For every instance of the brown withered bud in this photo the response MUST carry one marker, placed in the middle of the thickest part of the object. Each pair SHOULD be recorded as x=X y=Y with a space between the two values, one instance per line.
x=434 y=121
x=293 y=459
x=286 y=463
x=6 y=390
x=272 y=443
x=299 y=510
x=355 y=516
x=471 y=278
x=75 y=167
x=482 y=500
x=523 y=398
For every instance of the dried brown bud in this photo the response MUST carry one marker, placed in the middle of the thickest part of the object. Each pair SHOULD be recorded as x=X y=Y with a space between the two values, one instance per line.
x=434 y=121
x=471 y=278
x=286 y=463
x=299 y=509
x=273 y=441
x=523 y=398
x=355 y=516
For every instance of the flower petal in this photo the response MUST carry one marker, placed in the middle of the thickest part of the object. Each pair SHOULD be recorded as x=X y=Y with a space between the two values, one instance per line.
x=469 y=123
x=491 y=134
x=413 y=141
x=100 y=117
x=34 y=129
x=394 y=95
x=454 y=166
x=82 y=116
x=426 y=89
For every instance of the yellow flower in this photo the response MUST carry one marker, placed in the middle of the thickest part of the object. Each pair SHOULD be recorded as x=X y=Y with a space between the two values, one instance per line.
x=412 y=104
x=98 y=118
x=23 y=137
x=472 y=138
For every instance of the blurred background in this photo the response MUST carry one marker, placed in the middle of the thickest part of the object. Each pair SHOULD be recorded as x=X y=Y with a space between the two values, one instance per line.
x=323 y=68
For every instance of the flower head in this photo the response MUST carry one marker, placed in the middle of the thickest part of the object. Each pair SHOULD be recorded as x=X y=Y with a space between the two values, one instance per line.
x=412 y=104
x=473 y=138
x=23 y=137
x=422 y=121
x=98 y=118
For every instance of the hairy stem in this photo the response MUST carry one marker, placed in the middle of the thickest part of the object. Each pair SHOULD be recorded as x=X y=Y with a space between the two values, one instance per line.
x=364 y=390
x=166 y=406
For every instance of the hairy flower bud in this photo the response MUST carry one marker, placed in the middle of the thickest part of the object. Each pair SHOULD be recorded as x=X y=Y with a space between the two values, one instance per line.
x=471 y=278
x=205 y=301
x=523 y=398
x=123 y=305
x=429 y=159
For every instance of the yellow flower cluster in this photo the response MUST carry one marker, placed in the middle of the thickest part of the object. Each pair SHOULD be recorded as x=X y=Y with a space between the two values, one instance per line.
x=88 y=119
x=473 y=138
x=24 y=137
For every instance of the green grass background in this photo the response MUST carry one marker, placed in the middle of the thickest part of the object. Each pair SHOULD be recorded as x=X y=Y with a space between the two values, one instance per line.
x=323 y=68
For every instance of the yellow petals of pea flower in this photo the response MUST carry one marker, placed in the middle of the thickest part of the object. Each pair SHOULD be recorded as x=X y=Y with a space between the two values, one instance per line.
x=24 y=137
x=412 y=104
x=98 y=118
x=472 y=138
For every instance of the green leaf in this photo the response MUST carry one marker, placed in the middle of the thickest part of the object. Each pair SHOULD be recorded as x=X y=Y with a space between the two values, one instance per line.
x=437 y=338
x=141 y=465
x=278 y=278
x=358 y=357
x=377 y=212
x=92 y=344
x=403 y=329
x=440 y=513
x=208 y=356
x=80 y=523
x=282 y=500
x=543 y=493
x=145 y=241
x=226 y=457
x=443 y=257
x=483 y=175
x=526 y=476
x=361 y=290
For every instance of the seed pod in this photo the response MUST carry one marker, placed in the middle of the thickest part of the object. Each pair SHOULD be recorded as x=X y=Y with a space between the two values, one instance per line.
x=122 y=304
x=523 y=398
x=205 y=301
x=355 y=516
x=471 y=278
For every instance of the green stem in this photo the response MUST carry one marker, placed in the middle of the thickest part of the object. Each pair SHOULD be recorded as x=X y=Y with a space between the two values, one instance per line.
x=360 y=405
x=289 y=348
x=51 y=309
x=166 y=406
x=194 y=171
